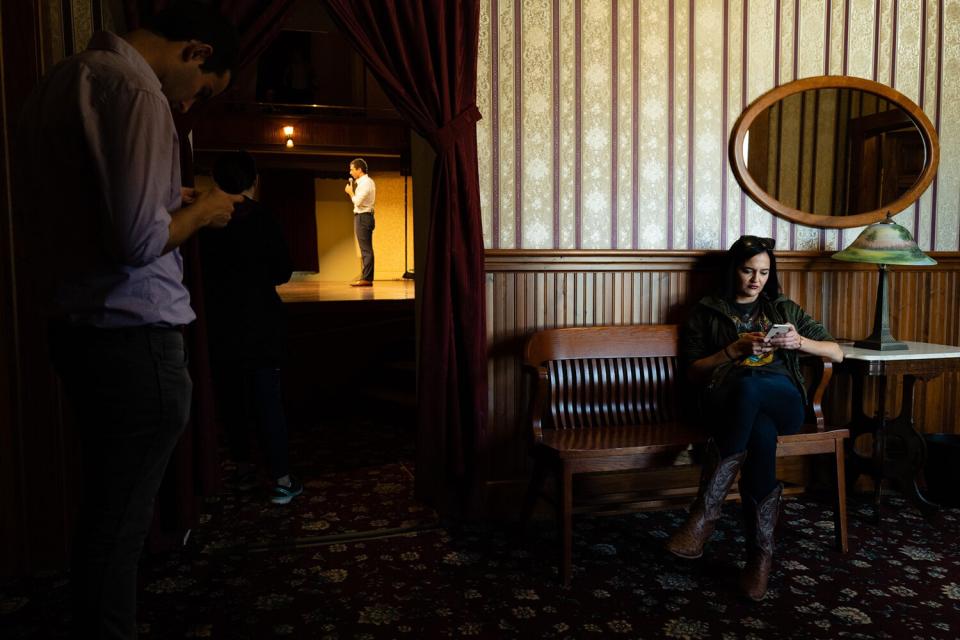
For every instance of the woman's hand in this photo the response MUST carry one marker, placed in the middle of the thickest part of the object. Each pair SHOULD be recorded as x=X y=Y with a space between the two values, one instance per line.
x=793 y=340
x=750 y=344
x=746 y=345
x=789 y=340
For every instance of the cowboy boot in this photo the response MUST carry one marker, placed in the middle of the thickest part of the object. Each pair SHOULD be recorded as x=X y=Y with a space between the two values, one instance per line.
x=716 y=477
x=760 y=520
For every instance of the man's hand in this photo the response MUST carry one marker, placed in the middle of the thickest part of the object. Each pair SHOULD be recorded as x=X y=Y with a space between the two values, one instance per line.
x=187 y=196
x=216 y=207
x=348 y=189
x=212 y=208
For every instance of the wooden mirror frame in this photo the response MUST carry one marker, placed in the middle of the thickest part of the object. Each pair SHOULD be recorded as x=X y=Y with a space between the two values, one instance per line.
x=738 y=163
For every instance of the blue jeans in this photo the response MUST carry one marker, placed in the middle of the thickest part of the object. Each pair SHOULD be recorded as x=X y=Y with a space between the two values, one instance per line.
x=249 y=399
x=130 y=390
x=758 y=408
x=363 y=226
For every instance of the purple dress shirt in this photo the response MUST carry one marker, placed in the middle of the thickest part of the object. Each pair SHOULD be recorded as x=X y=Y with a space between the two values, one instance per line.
x=102 y=169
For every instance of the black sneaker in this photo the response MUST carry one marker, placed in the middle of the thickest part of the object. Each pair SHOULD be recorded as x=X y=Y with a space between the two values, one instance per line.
x=280 y=494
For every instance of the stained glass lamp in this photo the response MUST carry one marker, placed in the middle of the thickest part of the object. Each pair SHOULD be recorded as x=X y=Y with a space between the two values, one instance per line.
x=884 y=243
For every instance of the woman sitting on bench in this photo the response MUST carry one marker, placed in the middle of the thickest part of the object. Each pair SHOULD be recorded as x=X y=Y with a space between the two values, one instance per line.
x=742 y=347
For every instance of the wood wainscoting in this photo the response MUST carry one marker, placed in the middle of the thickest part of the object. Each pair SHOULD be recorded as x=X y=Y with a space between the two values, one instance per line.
x=529 y=290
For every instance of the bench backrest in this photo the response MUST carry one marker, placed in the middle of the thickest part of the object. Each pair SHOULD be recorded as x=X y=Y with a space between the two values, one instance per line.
x=606 y=376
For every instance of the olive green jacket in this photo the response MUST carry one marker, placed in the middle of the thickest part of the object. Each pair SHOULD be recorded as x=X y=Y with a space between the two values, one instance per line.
x=710 y=328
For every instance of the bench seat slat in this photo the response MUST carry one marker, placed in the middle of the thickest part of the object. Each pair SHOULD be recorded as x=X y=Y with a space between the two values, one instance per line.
x=622 y=440
x=649 y=438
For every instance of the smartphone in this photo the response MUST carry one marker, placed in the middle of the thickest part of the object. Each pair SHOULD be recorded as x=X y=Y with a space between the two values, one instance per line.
x=776 y=330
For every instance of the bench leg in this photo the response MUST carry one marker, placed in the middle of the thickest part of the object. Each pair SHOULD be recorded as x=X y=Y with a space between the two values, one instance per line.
x=565 y=512
x=534 y=490
x=840 y=512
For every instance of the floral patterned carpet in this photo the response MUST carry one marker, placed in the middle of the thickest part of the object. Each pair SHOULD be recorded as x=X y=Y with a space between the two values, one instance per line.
x=357 y=557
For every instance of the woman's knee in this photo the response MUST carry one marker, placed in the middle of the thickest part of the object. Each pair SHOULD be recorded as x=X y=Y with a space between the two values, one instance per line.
x=744 y=392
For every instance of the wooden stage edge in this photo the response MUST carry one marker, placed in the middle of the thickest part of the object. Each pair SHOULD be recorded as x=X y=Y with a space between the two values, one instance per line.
x=305 y=289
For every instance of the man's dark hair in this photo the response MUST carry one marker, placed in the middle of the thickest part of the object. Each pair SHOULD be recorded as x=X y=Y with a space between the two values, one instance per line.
x=186 y=20
x=359 y=163
x=235 y=172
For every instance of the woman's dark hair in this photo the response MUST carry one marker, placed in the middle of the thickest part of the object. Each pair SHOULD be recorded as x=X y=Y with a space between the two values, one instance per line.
x=235 y=172
x=186 y=20
x=739 y=252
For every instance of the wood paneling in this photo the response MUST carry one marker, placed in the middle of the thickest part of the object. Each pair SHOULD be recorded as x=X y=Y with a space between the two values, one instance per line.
x=530 y=290
x=218 y=130
x=31 y=432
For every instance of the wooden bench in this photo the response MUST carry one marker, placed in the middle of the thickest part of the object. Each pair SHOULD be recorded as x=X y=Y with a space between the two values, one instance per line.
x=609 y=399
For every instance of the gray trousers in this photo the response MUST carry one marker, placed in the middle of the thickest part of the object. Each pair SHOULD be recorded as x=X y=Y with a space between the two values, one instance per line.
x=363 y=225
x=130 y=390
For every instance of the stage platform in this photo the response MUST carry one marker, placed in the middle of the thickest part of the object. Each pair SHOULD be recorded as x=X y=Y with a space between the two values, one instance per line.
x=348 y=346
x=306 y=289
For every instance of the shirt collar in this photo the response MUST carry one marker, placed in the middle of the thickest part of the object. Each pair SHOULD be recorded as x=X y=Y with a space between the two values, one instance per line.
x=107 y=41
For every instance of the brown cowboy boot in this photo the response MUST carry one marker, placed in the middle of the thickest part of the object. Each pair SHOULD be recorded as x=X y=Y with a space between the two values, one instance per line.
x=760 y=520
x=716 y=478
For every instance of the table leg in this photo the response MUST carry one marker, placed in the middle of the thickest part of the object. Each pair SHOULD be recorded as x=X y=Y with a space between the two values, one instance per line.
x=859 y=425
x=879 y=444
x=904 y=451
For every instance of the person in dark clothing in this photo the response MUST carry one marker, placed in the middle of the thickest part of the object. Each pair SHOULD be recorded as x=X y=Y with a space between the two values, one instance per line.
x=242 y=265
x=751 y=382
x=102 y=217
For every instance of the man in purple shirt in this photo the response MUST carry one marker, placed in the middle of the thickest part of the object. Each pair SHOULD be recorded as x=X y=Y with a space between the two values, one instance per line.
x=104 y=214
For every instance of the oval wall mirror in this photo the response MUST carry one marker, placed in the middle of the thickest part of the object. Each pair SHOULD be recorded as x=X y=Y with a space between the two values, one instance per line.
x=834 y=151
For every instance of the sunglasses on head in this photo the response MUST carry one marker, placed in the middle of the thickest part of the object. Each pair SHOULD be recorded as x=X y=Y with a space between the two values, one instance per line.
x=757 y=241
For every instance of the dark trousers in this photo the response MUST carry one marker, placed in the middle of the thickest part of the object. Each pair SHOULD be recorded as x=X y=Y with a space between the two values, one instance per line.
x=130 y=390
x=249 y=400
x=363 y=225
x=759 y=408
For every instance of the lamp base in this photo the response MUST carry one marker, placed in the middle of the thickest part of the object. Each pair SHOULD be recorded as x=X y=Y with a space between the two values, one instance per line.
x=881 y=339
x=880 y=345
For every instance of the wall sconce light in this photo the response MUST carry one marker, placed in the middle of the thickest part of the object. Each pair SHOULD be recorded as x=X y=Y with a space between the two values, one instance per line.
x=288 y=134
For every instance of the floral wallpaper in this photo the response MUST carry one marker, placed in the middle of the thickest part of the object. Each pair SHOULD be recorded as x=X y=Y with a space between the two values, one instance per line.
x=605 y=123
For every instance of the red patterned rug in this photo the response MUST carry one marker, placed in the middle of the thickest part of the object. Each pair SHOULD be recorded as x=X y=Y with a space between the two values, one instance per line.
x=356 y=557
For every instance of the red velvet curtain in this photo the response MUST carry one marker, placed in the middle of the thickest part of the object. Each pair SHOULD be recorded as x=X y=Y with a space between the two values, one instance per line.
x=194 y=468
x=424 y=55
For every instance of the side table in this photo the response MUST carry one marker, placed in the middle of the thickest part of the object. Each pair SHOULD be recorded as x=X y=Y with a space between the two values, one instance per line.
x=899 y=451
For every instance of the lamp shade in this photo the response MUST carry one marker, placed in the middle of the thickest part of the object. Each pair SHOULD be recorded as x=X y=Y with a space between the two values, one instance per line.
x=885 y=243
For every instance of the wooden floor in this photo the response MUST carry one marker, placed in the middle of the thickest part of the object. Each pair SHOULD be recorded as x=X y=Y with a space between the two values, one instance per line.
x=309 y=290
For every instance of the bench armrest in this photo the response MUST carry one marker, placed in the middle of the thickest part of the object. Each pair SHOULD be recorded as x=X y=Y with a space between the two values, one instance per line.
x=824 y=366
x=538 y=400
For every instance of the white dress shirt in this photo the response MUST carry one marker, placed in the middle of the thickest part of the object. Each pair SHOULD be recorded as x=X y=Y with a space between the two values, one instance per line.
x=364 y=194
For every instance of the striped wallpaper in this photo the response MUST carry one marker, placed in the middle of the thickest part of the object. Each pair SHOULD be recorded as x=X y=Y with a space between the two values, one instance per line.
x=605 y=122
x=67 y=25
